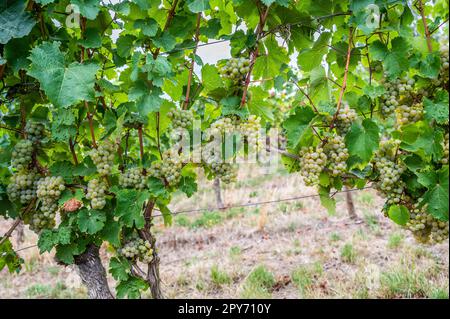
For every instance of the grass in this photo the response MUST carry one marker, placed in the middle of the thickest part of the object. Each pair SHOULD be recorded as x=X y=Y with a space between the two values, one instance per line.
x=365 y=198
x=207 y=219
x=258 y=283
x=219 y=277
x=335 y=237
x=53 y=292
x=235 y=252
x=404 y=283
x=395 y=240
x=348 y=253
x=304 y=277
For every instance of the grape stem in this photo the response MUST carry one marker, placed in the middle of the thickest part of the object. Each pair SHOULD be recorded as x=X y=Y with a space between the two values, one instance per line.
x=344 y=81
x=425 y=25
x=191 y=69
x=166 y=26
x=254 y=54
x=10 y=231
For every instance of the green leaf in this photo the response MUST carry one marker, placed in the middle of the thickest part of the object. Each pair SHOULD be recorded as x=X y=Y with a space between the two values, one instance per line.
x=131 y=288
x=211 y=79
x=362 y=140
x=125 y=45
x=309 y=59
x=395 y=61
x=15 y=22
x=437 y=196
x=9 y=258
x=328 y=202
x=269 y=65
x=111 y=232
x=65 y=253
x=92 y=39
x=119 y=268
x=297 y=125
x=130 y=207
x=422 y=139
x=165 y=41
x=90 y=221
x=399 y=214
x=438 y=109
x=149 y=26
x=63 y=85
x=166 y=213
x=88 y=8
x=188 y=185
x=374 y=91
x=198 y=5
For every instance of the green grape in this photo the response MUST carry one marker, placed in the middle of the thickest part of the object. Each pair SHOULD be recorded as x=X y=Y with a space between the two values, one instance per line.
x=181 y=118
x=133 y=178
x=22 y=154
x=34 y=131
x=407 y=114
x=236 y=69
x=337 y=154
x=396 y=91
x=103 y=157
x=23 y=186
x=137 y=249
x=227 y=172
x=96 y=193
x=345 y=119
x=169 y=168
x=312 y=162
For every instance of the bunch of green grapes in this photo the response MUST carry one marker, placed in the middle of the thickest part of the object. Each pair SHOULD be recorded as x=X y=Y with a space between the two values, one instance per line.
x=134 y=120
x=425 y=227
x=236 y=69
x=251 y=130
x=312 y=162
x=181 y=118
x=34 y=131
x=137 y=249
x=103 y=157
x=345 y=119
x=337 y=154
x=22 y=154
x=444 y=159
x=396 y=91
x=443 y=77
x=48 y=192
x=133 y=178
x=389 y=182
x=169 y=168
x=23 y=186
x=227 y=172
x=407 y=114
x=96 y=193
x=224 y=125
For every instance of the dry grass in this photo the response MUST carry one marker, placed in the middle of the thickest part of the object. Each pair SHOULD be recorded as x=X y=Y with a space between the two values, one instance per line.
x=284 y=250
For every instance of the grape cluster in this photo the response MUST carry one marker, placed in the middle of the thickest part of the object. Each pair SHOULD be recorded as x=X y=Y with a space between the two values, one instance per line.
x=443 y=77
x=407 y=114
x=169 y=168
x=445 y=154
x=181 y=118
x=22 y=154
x=96 y=193
x=23 y=186
x=133 y=178
x=251 y=129
x=222 y=126
x=137 y=249
x=103 y=157
x=425 y=227
x=236 y=69
x=312 y=162
x=49 y=190
x=134 y=120
x=345 y=119
x=34 y=131
x=389 y=182
x=337 y=154
x=396 y=91
x=227 y=172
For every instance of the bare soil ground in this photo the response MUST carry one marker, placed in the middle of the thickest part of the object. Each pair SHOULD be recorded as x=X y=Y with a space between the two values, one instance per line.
x=291 y=249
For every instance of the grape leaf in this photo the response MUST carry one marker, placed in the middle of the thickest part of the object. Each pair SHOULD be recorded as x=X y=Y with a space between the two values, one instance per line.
x=399 y=214
x=130 y=205
x=9 y=258
x=211 y=79
x=119 y=268
x=90 y=221
x=198 y=5
x=64 y=85
x=14 y=21
x=437 y=196
x=88 y=8
x=437 y=110
x=131 y=288
x=362 y=140
x=297 y=125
